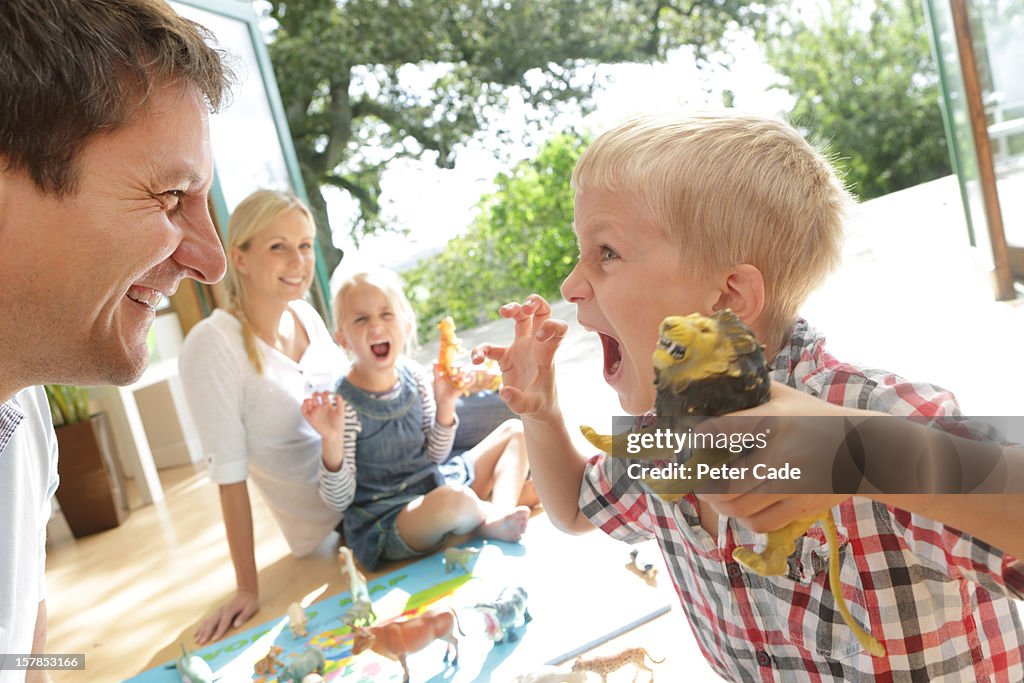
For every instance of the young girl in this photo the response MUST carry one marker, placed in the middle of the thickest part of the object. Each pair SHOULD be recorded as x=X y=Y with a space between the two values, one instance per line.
x=387 y=438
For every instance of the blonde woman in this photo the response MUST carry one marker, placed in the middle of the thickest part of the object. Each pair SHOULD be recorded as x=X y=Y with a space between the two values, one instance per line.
x=246 y=370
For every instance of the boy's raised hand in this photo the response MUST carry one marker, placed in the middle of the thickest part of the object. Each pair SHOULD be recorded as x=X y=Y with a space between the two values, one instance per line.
x=527 y=366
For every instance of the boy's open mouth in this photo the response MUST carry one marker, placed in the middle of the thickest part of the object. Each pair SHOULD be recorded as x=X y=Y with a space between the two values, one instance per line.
x=612 y=355
x=381 y=349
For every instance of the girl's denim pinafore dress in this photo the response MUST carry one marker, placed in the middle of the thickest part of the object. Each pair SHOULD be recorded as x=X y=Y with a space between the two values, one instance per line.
x=392 y=467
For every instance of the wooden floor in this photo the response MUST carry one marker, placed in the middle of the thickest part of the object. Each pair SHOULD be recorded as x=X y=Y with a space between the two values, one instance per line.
x=127 y=597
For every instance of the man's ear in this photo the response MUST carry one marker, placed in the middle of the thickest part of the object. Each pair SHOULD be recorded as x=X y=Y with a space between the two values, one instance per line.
x=742 y=291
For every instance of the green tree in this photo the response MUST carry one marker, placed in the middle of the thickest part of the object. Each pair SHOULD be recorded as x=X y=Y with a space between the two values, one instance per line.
x=866 y=85
x=521 y=242
x=365 y=82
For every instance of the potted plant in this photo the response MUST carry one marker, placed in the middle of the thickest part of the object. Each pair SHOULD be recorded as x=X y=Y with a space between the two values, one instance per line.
x=90 y=494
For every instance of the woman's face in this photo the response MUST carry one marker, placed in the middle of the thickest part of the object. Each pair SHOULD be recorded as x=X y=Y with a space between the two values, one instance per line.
x=280 y=261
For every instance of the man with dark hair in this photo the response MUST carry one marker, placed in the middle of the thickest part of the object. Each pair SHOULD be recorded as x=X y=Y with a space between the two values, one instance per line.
x=105 y=167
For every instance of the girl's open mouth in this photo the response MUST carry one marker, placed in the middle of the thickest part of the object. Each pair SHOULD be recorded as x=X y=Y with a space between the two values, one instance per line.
x=612 y=356
x=381 y=349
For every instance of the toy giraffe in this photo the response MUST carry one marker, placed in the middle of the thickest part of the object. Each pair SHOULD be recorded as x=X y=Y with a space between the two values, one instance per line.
x=361 y=611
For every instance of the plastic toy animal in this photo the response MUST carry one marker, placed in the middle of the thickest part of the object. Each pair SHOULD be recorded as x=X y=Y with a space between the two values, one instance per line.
x=648 y=572
x=605 y=665
x=450 y=346
x=193 y=668
x=397 y=639
x=297 y=620
x=458 y=557
x=269 y=663
x=483 y=378
x=302 y=665
x=361 y=612
x=504 y=615
x=712 y=366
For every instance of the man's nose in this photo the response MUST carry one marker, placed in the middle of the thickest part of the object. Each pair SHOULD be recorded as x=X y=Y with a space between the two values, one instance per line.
x=201 y=252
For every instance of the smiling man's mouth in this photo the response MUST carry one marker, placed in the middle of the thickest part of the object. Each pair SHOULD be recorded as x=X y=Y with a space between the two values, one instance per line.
x=145 y=296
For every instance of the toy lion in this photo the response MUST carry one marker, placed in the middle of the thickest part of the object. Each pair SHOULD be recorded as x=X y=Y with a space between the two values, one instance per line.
x=705 y=367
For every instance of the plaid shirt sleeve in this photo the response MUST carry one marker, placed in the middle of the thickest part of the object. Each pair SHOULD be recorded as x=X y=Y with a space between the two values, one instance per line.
x=940 y=547
x=613 y=502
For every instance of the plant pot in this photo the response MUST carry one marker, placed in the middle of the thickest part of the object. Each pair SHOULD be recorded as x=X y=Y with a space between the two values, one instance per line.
x=90 y=495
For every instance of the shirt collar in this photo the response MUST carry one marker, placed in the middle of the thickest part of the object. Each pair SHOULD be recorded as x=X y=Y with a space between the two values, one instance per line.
x=800 y=355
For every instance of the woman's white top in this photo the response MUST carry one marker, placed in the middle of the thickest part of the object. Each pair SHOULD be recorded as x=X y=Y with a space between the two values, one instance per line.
x=251 y=425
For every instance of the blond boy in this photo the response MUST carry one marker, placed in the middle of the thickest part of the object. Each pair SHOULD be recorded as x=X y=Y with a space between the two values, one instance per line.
x=677 y=215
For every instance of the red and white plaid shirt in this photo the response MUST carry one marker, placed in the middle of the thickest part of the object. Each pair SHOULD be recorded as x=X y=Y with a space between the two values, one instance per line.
x=938 y=599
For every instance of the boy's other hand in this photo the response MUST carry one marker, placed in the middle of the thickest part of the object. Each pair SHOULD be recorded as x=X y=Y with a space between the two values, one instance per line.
x=325 y=412
x=527 y=366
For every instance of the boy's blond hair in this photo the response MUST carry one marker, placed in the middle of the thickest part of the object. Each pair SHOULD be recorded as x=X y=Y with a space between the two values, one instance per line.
x=250 y=217
x=730 y=188
x=388 y=282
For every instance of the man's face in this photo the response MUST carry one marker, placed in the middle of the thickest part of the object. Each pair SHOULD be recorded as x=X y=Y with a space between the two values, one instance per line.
x=628 y=279
x=81 y=275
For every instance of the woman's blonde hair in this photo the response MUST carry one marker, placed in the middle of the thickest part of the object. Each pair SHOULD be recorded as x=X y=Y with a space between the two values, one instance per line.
x=388 y=282
x=729 y=189
x=249 y=218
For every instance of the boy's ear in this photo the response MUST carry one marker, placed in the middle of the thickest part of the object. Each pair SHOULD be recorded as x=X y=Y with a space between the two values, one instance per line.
x=742 y=291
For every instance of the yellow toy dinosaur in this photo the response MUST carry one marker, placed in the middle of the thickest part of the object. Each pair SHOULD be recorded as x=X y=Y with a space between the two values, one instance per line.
x=713 y=366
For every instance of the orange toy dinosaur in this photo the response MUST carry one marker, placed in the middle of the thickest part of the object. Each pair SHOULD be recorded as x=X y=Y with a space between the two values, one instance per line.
x=484 y=378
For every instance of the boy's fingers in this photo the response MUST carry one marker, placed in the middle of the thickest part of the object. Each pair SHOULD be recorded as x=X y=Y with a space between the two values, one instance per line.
x=522 y=316
x=487 y=352
x=513 y=398
x=552 y=331
x=540 y=307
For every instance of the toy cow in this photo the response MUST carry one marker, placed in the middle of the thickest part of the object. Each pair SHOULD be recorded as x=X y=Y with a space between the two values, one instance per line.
x=309 y=662
x=504 y=615
x=397 y=639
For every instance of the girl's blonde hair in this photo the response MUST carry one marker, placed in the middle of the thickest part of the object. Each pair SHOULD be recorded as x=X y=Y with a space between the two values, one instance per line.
x=729 y=189
x=249 y=218
x=388 y=282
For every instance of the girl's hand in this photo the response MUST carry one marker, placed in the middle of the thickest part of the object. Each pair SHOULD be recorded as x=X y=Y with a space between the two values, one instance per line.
x=325 y=412
x=445 y=392
x=527 y=366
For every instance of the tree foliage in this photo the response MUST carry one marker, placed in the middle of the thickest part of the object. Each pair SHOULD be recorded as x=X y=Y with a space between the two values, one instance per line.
x=521 y=242
x=866 y=85
x=365 y=82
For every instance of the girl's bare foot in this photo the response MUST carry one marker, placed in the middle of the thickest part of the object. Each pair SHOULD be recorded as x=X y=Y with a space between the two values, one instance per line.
x=505 y=526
